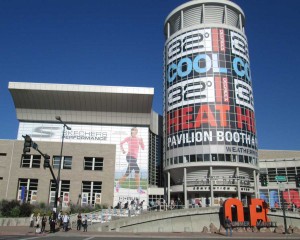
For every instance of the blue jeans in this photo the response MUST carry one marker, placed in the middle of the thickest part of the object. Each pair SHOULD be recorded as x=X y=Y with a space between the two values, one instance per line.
x=65 y=226
x=230 y=228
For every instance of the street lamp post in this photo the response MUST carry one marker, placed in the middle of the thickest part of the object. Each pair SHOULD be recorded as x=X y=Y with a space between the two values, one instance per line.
x=58 y=118
x=281 y=189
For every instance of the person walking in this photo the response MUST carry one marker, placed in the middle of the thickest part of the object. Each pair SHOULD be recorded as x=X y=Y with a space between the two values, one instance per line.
x=32 y=220
x=60 y=219
x=38 y=220
x=228 y=225
x=84 y=223
x=52 y=222
x=79 y=222
x=207 y=201
x=221 y=202
x=66 y=219
x=44 y=220
x=38 y=223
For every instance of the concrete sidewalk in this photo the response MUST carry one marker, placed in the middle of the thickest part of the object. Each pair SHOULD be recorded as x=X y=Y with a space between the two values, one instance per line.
x=26 y=231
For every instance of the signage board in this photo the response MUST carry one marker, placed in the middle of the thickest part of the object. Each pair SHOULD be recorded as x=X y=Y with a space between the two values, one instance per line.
x=280 y=178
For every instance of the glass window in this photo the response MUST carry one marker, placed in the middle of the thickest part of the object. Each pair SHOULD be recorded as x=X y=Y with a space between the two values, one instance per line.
x=56 y=162
x=221 y=157
x=272 y=174
x=291 y=174
x=98 y=164
x=91 y=192
x=206 y=157
x=26 y=160
x=88 y=163
x=93 y=163
x=281 y=172
x=228 y=157
x=31 y=161
x=199 y=158
x=65 y=164
x=36 y=161
x=30 y=187
x=64 y=186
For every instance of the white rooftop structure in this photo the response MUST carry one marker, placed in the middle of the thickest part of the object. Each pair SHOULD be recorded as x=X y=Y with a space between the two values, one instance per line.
x=82 y=103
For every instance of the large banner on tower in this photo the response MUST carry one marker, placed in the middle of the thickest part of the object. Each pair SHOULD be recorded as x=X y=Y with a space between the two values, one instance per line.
x=208 y=91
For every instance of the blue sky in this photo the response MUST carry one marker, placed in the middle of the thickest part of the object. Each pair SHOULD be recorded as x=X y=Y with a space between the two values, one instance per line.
x=120 y=42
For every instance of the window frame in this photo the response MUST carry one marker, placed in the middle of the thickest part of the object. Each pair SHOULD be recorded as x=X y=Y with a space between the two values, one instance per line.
x=32 y=161
x=94 y=163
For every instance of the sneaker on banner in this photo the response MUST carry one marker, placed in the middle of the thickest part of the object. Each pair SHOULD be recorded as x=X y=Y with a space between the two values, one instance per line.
x=140 y=190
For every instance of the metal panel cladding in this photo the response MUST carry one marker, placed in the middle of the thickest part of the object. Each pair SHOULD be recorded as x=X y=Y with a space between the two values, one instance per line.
x=208 y=91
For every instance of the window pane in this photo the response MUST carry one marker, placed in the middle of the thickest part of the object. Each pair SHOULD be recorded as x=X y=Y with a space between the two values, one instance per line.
x=56 y=161
x=65 y=186
x=67 y=162
x=272 y=173
x=291 y=174
x=206 y=157
x=36 y=161
x=192 y=158
x=88 y=163
x=26 y=161
x=98 y=164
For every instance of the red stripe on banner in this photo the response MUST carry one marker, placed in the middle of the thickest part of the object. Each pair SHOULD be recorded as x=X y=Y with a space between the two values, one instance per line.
x=215 y=40
x=222 y=40
x=225 y=89
x=218 y=88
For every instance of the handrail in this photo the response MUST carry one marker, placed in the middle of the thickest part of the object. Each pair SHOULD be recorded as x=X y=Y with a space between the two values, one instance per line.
x=106 y=215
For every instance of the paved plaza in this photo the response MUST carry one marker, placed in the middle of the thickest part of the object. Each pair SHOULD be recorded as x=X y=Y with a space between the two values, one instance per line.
x=27 y=233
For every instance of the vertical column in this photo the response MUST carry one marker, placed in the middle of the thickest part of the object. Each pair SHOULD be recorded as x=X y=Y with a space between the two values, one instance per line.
x=203 y=13
x=91 y=193
x=211 y=186
x=186 y=204
x=238 y=182
x=181 y=20
x=225 y=15
x=255 y=184
x=169 y=188
x=240 y=22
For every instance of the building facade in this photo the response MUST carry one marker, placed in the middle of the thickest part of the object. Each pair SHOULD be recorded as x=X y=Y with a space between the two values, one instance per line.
x=114 y=148
x=280 y=168
x=110 y=153
x=210 y=146
x=81 y=182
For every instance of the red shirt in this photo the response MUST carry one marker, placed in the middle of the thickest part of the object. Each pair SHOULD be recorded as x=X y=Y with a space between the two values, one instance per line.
x=133 y=145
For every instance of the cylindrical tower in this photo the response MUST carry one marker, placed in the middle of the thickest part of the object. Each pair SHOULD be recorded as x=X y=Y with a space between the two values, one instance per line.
x=210 y=145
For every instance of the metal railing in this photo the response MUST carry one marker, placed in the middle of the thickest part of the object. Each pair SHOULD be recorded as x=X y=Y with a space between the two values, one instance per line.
x=106 y=215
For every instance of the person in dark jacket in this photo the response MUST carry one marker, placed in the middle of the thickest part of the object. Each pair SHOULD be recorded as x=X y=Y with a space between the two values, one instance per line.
x=44 y=220
x=52 y=222
x=79 y=221
x=228 y=225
